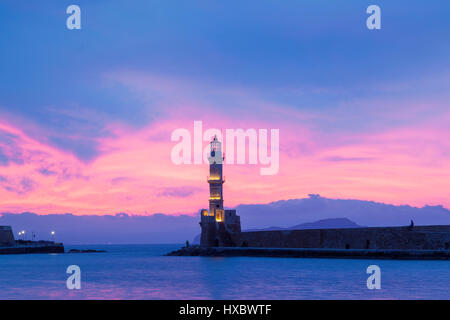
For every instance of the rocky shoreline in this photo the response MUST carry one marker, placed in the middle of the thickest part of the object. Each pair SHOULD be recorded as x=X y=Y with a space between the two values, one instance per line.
x=85 y=251
x=42 y=247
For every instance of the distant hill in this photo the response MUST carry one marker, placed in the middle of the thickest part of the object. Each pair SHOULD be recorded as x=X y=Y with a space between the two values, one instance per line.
x=335 y=223
x=284 y=214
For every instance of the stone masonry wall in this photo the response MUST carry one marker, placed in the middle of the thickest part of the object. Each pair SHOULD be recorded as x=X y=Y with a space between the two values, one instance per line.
x=418 y=238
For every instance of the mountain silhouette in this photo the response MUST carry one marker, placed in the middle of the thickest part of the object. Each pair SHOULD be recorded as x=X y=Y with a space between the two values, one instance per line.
x=123 y=228
x=336 y=223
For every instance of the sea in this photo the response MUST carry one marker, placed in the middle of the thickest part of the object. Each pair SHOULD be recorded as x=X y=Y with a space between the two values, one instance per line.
x=143 y=272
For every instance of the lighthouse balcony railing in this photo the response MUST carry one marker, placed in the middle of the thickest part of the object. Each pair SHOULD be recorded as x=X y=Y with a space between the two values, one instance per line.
x=214 y=179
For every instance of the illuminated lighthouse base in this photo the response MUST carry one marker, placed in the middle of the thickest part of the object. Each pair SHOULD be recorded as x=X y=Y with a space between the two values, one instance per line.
x=217 y=223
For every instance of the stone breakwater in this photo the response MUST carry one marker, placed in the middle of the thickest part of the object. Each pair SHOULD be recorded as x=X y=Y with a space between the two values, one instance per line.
x=33 y=248
x=312 y=253
x=378 y=238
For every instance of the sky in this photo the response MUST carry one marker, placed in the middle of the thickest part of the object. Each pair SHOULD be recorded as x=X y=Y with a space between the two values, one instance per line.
x=86 y=116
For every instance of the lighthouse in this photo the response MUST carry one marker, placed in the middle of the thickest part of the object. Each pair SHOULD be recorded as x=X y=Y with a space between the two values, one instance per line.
x=216 y=180
x=217 y=223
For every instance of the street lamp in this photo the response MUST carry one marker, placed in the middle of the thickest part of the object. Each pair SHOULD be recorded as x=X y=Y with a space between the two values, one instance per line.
x=22 y=233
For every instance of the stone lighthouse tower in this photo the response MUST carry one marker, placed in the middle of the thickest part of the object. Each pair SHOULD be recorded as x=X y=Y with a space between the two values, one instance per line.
x=215 y=180
x=217 y=223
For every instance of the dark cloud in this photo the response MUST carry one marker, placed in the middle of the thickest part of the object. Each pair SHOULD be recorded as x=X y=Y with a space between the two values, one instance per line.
x=10 y=151
x=178 y=192
x=348 y=159
x=119 y=180
x=47 y=172
x=83 y=148
x=4 y=160
x=27 y=185
x=20 y=187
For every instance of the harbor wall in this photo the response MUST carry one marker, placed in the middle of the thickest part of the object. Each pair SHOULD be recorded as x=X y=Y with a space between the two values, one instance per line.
x=402 y=238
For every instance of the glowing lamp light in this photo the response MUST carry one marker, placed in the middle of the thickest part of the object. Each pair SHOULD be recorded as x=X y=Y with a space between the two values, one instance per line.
x=219 y=215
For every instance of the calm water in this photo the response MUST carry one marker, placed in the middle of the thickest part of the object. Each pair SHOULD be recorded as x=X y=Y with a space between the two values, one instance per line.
x=141 y=272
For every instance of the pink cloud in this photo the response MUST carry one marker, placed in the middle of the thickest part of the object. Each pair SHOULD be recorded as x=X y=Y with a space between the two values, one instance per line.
x=133 y=171
x=401 y=166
